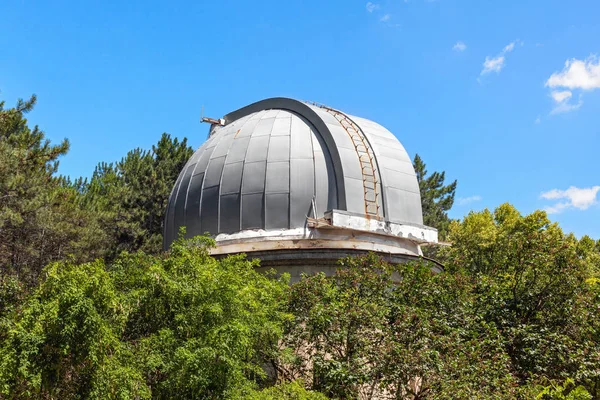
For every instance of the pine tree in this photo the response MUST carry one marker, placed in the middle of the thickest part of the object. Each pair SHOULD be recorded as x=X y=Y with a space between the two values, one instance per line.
x=131 y=196
x=436 y=198
x=41 y=217
x=28 y=163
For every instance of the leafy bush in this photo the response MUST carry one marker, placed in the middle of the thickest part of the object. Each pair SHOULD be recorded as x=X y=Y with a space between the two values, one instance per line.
x=567 y=391
x=182 y=325
x=286 y=391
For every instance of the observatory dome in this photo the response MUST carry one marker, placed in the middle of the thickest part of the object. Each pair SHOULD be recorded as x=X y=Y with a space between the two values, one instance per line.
x=282 y=170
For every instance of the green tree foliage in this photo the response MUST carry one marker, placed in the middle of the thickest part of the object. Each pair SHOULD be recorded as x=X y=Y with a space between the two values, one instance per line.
x=375 y=330
x=131 y=196
x=11 y=296
x=436 y=198
x=40 y=216
x=566 y=391
x=539 y=287
x=182 y=325
x=286 y=391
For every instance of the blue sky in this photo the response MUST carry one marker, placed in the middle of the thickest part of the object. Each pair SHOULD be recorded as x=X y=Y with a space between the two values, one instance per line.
x=503 y=96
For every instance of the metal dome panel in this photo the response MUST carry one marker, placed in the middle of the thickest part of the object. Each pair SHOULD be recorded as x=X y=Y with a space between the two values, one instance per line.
x=279 y=161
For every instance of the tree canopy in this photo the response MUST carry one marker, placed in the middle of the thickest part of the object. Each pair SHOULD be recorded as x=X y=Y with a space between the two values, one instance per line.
x=506 y=319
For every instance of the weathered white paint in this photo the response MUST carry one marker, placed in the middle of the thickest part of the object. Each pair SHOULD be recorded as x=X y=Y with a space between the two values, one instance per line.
x=338 y=230
x=420 y=234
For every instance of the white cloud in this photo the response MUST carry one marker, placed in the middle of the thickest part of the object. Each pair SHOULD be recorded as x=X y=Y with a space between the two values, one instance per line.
x=495 y=64
x=463 y=201
x=559 y=96
x=509 y=47
x=557 y=208
x=565 y=106
x=561 y=102
x=385 y=18
x=573 y=197
x=459 y=46
x=537 y=120
x=577 y=74
x=372 y=7
x=492 y=65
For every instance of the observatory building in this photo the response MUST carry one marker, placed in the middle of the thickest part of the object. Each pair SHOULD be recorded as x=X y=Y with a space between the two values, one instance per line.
x=299 y=186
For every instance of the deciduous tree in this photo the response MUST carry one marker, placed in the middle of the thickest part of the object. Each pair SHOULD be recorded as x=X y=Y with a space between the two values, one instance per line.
x=182 y=325
x=538 y=286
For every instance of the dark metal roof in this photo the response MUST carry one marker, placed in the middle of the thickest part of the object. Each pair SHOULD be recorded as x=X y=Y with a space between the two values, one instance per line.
x=278 y=161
